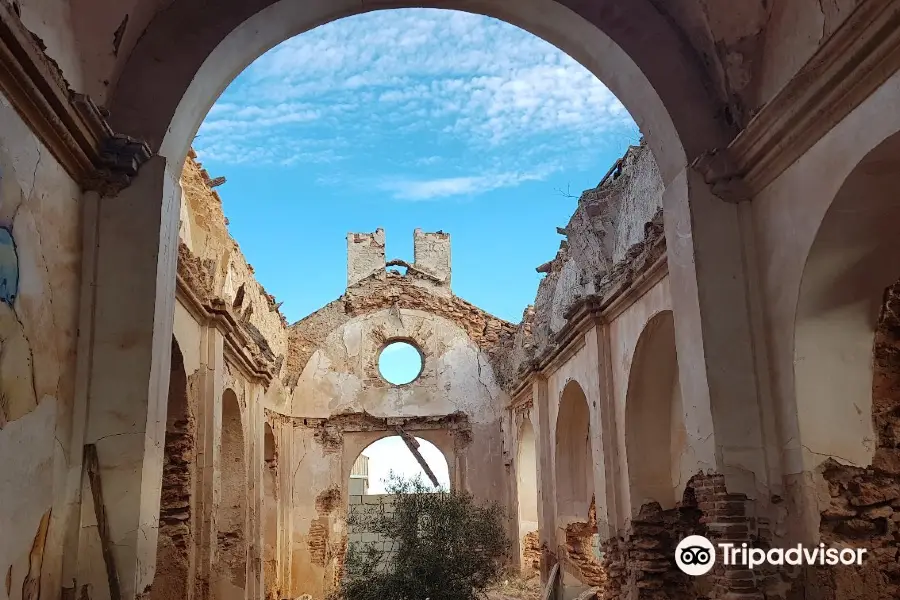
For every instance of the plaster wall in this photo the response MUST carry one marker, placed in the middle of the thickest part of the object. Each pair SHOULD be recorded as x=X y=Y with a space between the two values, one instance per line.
x=625 y=332
x=342 y=375
x=582 y=368
x=787 y=216
x=52 y=22
x=40 y=258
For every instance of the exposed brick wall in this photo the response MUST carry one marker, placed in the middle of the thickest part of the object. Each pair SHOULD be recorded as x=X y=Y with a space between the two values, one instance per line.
x=175 y=543
x=389 y=290
x=531 y=551
x=580 y=551
x=641 y=565
x=727 y=519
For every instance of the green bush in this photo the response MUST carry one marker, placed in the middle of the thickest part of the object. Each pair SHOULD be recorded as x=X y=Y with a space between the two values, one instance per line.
x=445 y=546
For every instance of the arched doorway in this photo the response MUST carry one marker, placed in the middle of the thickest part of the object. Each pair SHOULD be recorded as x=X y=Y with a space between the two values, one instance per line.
x=232 y=517
x=655 y=436
x=174 y=545
x=526 y=484
x=270 y=514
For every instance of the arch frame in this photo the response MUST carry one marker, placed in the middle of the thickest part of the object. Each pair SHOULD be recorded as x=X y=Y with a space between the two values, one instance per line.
x=164 y=92
x=356 y=442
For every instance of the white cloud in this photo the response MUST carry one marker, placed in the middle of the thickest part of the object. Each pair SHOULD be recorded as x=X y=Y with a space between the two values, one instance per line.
x=487 y=86
x=430 y=189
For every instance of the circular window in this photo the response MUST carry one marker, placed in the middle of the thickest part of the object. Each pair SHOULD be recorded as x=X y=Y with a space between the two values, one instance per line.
x=400 y=363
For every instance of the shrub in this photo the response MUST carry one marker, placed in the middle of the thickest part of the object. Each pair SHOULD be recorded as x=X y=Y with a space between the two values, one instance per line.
x=445 y=546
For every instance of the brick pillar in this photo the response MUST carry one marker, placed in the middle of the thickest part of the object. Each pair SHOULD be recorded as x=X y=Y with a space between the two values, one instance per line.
x=727 y=520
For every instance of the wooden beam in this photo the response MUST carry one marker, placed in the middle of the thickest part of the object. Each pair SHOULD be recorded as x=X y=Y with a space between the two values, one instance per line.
x=92 y=464
x=413 y=445
x=550 y=588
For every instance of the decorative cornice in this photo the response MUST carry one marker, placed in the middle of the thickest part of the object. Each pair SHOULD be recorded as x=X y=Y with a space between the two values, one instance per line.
x=70 y=125
x=216 y=313
x=860 y=56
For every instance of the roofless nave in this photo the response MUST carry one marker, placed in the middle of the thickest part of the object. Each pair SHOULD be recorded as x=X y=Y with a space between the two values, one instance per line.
x=713 y=348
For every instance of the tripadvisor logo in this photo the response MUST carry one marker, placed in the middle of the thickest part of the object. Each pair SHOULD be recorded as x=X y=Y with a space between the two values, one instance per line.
x=695 y=555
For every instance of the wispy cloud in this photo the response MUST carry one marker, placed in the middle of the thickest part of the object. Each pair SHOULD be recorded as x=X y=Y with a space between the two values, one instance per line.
x=484 y=87
x=430 y=189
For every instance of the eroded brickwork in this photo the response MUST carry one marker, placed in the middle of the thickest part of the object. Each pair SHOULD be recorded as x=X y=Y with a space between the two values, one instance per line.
x=175 y=541
x=641 y=565
x=391 y=290
x=531 y=551
x=580 y=549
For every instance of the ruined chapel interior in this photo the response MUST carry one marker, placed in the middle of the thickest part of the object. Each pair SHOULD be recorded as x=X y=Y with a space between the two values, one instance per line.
x=714 y=349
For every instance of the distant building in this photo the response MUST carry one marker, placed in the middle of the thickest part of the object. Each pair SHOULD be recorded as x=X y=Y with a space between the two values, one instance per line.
x=359 y=476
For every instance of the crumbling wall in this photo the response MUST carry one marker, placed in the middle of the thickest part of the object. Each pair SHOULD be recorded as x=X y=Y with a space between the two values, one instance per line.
x=581 y=554
x=531 y=551
x=640 y=563
x=212 y=263
x=614 y=234
x=175 y=541
x=431 y=254
x=392 y=291
x=365 y=255
x=862 y=505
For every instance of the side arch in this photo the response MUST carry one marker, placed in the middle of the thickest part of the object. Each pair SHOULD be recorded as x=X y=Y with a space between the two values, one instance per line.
x=574 y=470
x=271 y=503
x=527 y=493
x=655 y=436
x=232 y=555
x=855 y=256
x=175 y=544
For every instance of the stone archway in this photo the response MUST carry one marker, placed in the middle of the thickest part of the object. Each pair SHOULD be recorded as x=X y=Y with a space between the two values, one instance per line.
x=655 y=436
x=174 y=571
x=231 y=581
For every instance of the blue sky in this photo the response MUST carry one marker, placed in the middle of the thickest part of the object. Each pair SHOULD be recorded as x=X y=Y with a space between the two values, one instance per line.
x=402 y=119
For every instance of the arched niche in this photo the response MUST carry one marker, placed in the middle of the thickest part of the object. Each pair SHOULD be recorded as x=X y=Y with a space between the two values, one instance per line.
x=232 y=516
x=270 y=514
x=655 y=436
x=855 y=256
x=174 y=543
x=573 y=457
x=526 y=486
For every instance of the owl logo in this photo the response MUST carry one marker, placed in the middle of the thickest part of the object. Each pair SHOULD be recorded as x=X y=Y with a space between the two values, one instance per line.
x=9 y=267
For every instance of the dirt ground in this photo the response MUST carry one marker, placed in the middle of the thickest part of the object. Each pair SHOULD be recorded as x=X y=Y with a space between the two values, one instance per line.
x=515 y=587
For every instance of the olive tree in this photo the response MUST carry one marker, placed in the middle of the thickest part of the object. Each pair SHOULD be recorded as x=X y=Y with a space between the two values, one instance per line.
x=440 y=545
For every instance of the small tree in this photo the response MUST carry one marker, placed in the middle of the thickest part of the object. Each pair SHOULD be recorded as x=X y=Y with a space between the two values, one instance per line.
x=445 y=546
